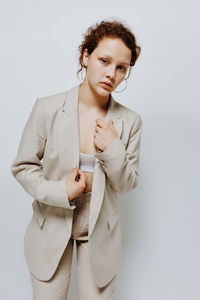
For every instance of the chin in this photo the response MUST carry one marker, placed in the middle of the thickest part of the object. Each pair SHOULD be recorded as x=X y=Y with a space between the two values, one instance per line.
x=100 y=91
x=104 y=92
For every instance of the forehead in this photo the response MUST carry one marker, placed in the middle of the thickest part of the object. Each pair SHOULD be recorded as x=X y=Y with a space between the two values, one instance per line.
x=114 y=48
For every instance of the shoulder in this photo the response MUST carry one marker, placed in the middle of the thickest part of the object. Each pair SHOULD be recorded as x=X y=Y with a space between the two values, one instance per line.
x=55 y=100
x=51 y=104
x=130 y=116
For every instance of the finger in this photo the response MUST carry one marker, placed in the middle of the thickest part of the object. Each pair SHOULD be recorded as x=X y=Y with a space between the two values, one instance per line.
x=98 y=129
x=100 y=123
x=75 y=171
x=77 y=175
x=82 y=176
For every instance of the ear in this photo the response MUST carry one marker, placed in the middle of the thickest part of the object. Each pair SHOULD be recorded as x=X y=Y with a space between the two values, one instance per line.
x=85 y=57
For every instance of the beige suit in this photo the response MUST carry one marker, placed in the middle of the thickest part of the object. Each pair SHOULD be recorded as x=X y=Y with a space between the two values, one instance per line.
x=52 y=134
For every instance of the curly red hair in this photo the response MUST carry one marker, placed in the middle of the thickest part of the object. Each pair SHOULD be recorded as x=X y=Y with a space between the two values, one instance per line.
x=113 y=29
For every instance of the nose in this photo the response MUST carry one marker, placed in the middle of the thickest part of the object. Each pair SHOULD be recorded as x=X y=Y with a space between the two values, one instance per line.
x=110 y=73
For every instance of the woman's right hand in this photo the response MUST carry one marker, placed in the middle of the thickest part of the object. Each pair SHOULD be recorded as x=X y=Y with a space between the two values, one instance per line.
x=76 y=183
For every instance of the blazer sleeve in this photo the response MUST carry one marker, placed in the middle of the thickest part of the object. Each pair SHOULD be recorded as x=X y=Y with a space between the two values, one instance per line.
x=120 y=164
x=27 y=166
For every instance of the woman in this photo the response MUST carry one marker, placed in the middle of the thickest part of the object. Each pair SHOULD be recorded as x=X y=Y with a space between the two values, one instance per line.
x=90 y=145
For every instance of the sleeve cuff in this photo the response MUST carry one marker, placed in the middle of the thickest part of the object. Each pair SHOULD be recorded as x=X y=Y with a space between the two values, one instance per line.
x=113 y=151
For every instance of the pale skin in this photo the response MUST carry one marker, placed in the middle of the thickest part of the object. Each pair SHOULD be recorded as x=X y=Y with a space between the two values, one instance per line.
x=108 y=62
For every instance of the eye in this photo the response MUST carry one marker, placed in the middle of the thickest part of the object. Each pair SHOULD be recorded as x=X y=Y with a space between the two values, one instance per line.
x=103 y=59
x=123 y=69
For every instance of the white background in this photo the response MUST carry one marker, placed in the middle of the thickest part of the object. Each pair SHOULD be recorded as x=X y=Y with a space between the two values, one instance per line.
x=160 y=219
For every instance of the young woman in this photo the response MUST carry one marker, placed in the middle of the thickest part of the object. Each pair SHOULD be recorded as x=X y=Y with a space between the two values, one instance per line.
x=90 y=147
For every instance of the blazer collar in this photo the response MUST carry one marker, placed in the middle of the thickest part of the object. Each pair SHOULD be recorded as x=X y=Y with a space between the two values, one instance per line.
x=71 y=105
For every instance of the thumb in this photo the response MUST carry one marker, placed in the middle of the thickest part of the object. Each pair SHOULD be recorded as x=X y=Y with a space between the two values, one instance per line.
x=74 y=171
x=110 y=123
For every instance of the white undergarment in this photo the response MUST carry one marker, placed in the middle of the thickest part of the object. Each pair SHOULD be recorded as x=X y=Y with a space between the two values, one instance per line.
x=87 y=162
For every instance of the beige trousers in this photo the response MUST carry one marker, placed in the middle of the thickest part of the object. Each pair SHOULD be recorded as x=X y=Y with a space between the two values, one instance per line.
x=57 y=287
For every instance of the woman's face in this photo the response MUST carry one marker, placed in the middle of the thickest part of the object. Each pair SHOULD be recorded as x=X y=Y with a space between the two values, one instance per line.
x=109 y=62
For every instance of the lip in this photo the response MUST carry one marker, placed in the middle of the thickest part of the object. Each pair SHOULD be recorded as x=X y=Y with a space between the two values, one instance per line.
x=107 y=84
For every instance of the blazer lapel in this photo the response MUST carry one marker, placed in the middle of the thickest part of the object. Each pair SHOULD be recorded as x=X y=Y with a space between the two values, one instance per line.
x=68 y=137
x=98 y=185
x=68 y=133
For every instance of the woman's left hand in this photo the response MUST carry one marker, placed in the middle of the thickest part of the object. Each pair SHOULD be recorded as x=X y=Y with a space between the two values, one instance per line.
x=104 y=134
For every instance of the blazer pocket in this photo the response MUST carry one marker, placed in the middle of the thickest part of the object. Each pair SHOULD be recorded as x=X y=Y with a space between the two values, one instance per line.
x=113 y=218
x=38 y=212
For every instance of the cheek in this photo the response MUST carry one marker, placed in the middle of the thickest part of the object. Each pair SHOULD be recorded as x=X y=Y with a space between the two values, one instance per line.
x=96 y=71
x=119 y=78
x=92 y=76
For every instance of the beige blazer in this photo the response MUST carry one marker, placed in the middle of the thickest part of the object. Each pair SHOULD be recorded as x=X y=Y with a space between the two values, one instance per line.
x=49 y=147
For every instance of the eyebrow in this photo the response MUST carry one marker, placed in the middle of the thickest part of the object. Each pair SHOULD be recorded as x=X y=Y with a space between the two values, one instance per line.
x=124 y=63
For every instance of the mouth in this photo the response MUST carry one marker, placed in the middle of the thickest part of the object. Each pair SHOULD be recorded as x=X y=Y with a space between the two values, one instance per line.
x=107 y=85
